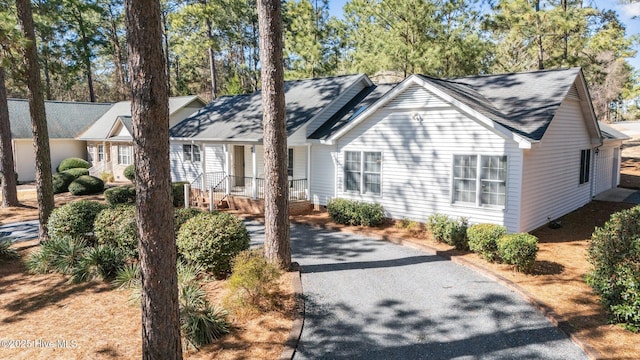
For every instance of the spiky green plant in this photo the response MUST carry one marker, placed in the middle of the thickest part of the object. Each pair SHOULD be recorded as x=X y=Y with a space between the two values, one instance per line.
x=100 y=262
x=128 y=277
x=6 y=251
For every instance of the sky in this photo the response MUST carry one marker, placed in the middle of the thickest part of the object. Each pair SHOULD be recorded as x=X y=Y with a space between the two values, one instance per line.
x=625 y=12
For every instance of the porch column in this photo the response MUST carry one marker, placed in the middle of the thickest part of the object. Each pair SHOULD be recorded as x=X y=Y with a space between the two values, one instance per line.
x=307 y=190
x=203 y=166
x=227 y=167
x=254 y=167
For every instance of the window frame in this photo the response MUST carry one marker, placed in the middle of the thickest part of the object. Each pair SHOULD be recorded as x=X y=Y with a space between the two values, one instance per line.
x=191 y=152
x=362 y=172
x=290 y=163
x=100 y=155
x=480 y=180
x=122 y=156
x=585 y=166
x=91 y=153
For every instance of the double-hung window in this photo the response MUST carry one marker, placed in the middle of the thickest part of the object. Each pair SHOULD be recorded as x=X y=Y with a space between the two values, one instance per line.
x=91 y=152
x=363 y=172
x=100 y=153
x=191 y=152
x=290 y=162
x=124 y=155
x=585 y=164
x=480 y=180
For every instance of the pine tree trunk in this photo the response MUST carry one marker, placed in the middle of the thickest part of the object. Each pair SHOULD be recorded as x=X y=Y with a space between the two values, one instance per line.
x=9 y=191
x=154 y=208
x=212 y=62
x=39 y=129
x=276 y=203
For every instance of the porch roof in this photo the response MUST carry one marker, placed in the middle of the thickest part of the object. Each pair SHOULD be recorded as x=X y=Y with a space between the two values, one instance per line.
x=230 y=118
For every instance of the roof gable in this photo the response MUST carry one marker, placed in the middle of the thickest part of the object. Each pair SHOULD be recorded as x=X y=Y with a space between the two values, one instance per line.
x=101 y=128
x=519 y=106
x=239 y=118
x=65 y=120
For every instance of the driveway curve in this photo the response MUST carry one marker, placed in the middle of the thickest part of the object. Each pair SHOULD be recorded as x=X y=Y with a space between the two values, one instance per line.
x=371 y=299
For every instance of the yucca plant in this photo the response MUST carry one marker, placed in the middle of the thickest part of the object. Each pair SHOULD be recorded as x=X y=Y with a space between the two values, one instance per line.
x=100 y=262
x=58 y=255
x=128 y=277
x=6 y=251
x=200 y=323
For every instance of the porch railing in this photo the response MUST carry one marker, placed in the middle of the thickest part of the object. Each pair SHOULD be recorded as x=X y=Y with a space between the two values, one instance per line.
x=99 y=168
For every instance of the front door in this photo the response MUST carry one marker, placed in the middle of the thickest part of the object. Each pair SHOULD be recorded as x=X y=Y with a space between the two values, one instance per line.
x=238 y=164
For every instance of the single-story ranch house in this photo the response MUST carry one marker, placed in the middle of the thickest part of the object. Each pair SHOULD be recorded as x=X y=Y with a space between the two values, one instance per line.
x=109 y=140
x=65 y=120
x=512 y=149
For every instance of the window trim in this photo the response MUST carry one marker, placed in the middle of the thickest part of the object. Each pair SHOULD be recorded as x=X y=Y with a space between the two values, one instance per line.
x=100 y=154
x=91 y=152
x=191 y=153
x=585 y=166
x=290 y=162
x=361 y=172
x=122 y=155
x=478 y=182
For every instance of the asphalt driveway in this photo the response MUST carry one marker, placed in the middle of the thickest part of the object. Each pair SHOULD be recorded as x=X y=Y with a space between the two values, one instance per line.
x=370 y=299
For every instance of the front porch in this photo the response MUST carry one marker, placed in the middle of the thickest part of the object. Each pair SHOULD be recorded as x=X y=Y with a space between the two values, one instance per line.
x=219 y=190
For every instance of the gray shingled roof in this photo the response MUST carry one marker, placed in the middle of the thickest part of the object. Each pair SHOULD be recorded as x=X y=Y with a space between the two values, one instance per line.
x=240 y=117
x=525 y=103
x=359 y=103
x=65 y=120
x=100 y=129
x=609 y=133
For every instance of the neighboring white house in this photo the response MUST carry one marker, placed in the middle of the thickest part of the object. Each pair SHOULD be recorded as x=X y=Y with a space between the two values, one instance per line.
x=109 y=139
x=65 y=120
x=512 y=149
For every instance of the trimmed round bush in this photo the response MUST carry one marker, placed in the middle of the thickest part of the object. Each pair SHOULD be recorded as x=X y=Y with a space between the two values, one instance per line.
x=130 y=172
x=74 y=219
x=213 y=240
x=120 y=195
x=483 y=239
x=117 y=226
x=614 y=253
x=86 y=185
x=519 y=250
x=77 y=172
x=177 y=190
x=449 y=230
x=350 y=212
x=61 y=182
x=181 y=215
x=71 y=163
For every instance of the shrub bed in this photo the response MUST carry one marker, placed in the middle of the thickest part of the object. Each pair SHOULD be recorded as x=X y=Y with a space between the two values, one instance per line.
x=71 y=163
x=120 y=195
x=61 y=182
x=449 y=230
x=74 y=219
x=483 y=239
x=350 y=212
x=117 y=226
x=181 y=215
x=212 y=240
x=519 y=250
x=86 y=185
x=614 y=253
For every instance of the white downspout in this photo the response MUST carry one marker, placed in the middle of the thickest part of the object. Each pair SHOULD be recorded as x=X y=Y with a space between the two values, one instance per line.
x=308 y=189
x=254 y=169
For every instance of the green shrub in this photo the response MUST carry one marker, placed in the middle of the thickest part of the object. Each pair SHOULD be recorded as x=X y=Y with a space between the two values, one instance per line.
x=74 y=219
x=120 y=195
x=614 y=253
x=6 y=251
x=212 y=240
x=130 y=172
x=101 y=262
x=177 y=190
x=86 y=185
x=61 y=182
x=59 y=255
x=106 y=177
x=181 y=215
x=200 y=323
x=350 y=212
x=77 y=172
x=483 y=239
x=253 y=280
x=449 y=230
x=72 y=163
x=519 y=250
x=117 y=226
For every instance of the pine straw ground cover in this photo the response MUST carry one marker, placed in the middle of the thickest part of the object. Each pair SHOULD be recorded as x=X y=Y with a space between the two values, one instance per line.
x=99 y=322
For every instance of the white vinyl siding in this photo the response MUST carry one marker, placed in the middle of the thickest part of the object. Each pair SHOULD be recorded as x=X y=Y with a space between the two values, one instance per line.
x=551 y=186
x=605 y=169
x=323 y=173
x=418 y=156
